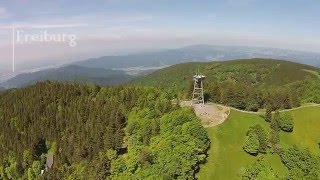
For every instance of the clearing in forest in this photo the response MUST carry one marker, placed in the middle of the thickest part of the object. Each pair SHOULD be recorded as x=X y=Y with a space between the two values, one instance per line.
x=228 y=139
x=210 y=114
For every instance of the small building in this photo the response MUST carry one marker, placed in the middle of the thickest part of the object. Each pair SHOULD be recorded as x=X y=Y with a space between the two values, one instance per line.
x=49 y=162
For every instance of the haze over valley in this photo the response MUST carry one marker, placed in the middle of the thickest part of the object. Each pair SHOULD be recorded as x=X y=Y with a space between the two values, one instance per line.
x=140 y=89
x=148 y=62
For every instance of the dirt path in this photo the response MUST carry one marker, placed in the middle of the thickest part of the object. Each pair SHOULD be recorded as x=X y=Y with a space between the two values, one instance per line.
x=309 y=105
x=214 y=114
x=210 y=114
x=284 y=110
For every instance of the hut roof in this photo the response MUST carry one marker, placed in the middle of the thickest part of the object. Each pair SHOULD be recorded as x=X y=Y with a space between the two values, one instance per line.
x=49 y=162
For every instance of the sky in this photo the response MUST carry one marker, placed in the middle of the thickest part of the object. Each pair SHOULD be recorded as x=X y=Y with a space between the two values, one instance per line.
x=109 y=27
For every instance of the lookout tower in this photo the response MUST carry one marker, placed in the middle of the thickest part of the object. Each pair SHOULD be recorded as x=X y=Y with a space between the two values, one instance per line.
x=197 y=96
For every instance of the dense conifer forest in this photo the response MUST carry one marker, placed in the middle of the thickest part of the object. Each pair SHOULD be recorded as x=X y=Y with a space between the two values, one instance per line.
x=83 y=127
x=141 y=132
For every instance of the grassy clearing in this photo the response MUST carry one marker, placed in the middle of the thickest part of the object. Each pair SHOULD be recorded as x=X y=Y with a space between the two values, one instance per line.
x=226 y=157
x=306 y=132
x=312 y=72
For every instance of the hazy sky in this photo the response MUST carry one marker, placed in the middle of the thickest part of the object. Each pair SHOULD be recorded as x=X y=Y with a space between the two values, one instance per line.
x=107 y=27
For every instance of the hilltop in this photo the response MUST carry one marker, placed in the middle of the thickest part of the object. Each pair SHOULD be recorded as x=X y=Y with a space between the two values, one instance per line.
x=247 y=84
x=268 y=72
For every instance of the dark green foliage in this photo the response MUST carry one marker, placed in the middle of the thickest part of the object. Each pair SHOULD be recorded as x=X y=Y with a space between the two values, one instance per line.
x=240 y=96
x=286 y=122
x=275 y=121
x=39 y=148
x=169 y=146
x=235 y=94
x=243 y=84
x=76 y=123
x=300 y=163
x=308 y=90
x=282 y=97
x=84 y=128
x=268 y=116
x=262 y=137
x=252 y=144
x=274 y=138
x=247 y=71
x=259 y=170
x=100 y=166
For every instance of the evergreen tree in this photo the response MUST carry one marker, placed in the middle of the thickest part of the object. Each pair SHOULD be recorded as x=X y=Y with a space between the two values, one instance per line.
x=286 y=122
x=268 y=116
x=78 y=124
x=274 y=138
x=275 y=121
x=262 y=136
x=252 y=145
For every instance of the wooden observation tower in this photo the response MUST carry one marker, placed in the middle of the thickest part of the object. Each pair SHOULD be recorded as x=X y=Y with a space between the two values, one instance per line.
x=197 y=96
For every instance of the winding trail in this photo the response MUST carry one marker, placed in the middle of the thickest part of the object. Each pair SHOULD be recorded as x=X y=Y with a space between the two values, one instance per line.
x=212 y=114
x=283 y=110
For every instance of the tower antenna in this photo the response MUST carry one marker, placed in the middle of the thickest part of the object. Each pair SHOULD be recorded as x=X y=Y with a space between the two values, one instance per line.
x=197 y=96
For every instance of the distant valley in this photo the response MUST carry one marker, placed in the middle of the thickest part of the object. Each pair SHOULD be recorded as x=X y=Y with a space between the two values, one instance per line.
x=110 y=70
x=70 y=73
x=199 y=53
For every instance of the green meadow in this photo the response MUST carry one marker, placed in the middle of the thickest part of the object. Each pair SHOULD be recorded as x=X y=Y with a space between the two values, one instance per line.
x=306 y=129
x=226 y=157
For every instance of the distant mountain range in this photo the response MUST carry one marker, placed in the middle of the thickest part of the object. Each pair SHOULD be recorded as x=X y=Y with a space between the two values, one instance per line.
x=120 y=69
x=70 y=73
x=198 y=53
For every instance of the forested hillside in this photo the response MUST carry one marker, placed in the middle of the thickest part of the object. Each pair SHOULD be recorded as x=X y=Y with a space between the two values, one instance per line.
x=139 y=132
x=247 y=84
x=70 y=73
x=248 y=71
x=97 y=133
